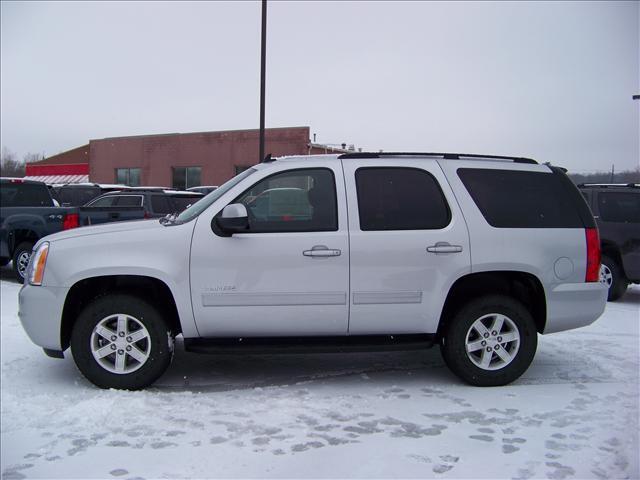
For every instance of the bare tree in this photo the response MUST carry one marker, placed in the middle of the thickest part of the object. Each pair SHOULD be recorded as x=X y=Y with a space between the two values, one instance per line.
x=33 y=157
x=10 y=166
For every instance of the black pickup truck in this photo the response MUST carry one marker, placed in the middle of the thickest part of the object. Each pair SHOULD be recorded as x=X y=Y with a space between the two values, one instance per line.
x=28 y=213
x=616 y=208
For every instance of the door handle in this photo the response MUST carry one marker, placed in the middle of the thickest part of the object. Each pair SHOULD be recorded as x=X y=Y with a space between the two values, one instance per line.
x=444 y=247
x=321 y=251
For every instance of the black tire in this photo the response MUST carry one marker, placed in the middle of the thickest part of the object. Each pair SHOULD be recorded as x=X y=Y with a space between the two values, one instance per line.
x=619 y=282
x=21 y=256
x=454 y=341
x=159 y=342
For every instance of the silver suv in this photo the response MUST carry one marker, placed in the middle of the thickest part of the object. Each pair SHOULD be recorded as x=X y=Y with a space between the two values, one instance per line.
x=478 y=254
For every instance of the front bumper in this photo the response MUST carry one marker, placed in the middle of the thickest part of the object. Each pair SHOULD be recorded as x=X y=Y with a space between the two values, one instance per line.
x=40 y=312
x=574 y=305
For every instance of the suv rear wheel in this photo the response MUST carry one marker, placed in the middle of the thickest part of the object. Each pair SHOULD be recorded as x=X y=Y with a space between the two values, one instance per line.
x=491 y=341
x=612 y=276
x=121 y=341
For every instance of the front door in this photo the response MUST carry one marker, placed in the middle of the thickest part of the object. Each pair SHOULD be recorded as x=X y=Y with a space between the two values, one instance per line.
x=288 y=275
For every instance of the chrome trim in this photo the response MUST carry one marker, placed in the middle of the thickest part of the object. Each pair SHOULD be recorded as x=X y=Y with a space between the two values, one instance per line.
x=385 y=298
x=270 y=299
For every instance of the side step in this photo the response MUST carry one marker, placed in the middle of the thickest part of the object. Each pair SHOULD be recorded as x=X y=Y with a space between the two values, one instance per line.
x=281 y=345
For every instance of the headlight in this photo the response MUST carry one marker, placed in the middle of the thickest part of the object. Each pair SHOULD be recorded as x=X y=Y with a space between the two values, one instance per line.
x=37 y=264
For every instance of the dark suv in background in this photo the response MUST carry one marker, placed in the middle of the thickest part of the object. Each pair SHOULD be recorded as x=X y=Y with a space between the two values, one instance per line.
x=78 y=194
x=616 y=208
x=155 y=202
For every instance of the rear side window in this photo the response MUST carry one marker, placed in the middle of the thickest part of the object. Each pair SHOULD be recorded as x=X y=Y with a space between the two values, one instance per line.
x=392 y=198
x=25 y=195
x=160 y=205
x=75 y=196
x=183 y=201
x=515 y=199
x=129 y=201
x=619 y=207
x=102 y=202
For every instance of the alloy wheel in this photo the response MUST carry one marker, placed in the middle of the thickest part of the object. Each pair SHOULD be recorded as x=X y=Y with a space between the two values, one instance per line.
x=120 y=343
x=492 y=342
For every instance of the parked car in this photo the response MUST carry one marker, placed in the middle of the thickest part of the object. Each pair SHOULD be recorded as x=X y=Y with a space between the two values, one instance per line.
x=477 y=254
x=205 y=189
x=616 y=208
x=136 y=202
x=78 y=194
x=28 y=213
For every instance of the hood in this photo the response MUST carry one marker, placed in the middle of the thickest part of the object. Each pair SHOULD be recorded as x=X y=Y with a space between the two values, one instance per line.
x=114 y=227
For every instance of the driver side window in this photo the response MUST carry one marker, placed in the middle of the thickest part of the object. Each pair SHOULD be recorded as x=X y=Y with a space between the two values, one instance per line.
x=292 y=201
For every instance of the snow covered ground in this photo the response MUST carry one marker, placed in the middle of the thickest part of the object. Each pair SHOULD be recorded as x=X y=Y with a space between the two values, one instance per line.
x=574 y=414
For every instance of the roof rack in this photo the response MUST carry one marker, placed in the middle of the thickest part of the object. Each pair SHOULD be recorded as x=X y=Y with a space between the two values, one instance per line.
x=609 y=185
x=445 y=156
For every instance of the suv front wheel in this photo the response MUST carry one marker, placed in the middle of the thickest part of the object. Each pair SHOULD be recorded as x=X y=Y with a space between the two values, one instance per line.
x=491 y=341
x=121 y=341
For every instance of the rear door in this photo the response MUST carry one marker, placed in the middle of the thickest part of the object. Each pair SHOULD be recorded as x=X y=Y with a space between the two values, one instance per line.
x=409 y=243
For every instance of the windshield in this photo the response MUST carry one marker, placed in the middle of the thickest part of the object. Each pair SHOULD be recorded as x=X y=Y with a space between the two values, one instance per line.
x=197 y=208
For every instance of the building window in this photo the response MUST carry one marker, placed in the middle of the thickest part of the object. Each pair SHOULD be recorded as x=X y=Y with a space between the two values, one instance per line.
x=241 y=168
x=128 y=176
x=186 y=177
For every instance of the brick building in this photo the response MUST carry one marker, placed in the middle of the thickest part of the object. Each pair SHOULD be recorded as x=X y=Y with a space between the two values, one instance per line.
x=179 y=160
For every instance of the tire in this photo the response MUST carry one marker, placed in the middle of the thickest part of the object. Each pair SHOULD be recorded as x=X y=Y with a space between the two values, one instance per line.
x=611 y=275
x=137 y=327
x=21 y=256
x=481 y=367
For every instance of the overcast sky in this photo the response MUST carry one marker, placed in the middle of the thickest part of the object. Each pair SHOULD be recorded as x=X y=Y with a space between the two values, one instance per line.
x=549 y=80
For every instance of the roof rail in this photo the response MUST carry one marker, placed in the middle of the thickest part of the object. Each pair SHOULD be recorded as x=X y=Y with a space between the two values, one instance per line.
x=444 y=156
x=609 y=185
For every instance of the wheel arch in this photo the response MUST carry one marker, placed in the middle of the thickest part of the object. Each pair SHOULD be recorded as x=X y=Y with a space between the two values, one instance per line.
x=522 y=286
x=611 y=250
x=86 y=290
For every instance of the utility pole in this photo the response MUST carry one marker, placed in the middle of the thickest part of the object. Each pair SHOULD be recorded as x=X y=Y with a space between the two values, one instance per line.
x=613 y=169
x=263 y=56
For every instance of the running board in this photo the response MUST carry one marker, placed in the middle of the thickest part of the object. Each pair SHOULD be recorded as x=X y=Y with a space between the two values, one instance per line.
x=283 y=345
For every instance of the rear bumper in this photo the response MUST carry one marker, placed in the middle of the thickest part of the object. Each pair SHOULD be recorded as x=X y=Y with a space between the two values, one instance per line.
x=574 y=305
x=40 y=312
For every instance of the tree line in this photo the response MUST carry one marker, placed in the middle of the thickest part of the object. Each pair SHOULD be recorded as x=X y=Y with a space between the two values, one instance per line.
x=11 y=166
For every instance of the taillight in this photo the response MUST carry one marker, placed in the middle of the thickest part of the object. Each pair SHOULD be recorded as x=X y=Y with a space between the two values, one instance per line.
x=593 y=255
x=146 y=215
x=71 y=220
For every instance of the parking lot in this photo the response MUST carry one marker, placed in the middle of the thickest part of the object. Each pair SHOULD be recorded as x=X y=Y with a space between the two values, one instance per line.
x=574 y=413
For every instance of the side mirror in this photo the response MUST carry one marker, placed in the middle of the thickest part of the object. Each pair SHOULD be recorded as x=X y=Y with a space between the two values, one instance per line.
x=234 y=219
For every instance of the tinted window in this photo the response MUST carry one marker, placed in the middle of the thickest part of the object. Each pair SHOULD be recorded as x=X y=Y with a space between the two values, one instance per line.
x=75 y=196
x=129 y=201
x=292 y=201
x=181 y=202
x=160 y=205
x=400 y=199
x=103 y=202
x=25 y=195
x=619 y=207
x=513 y=199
